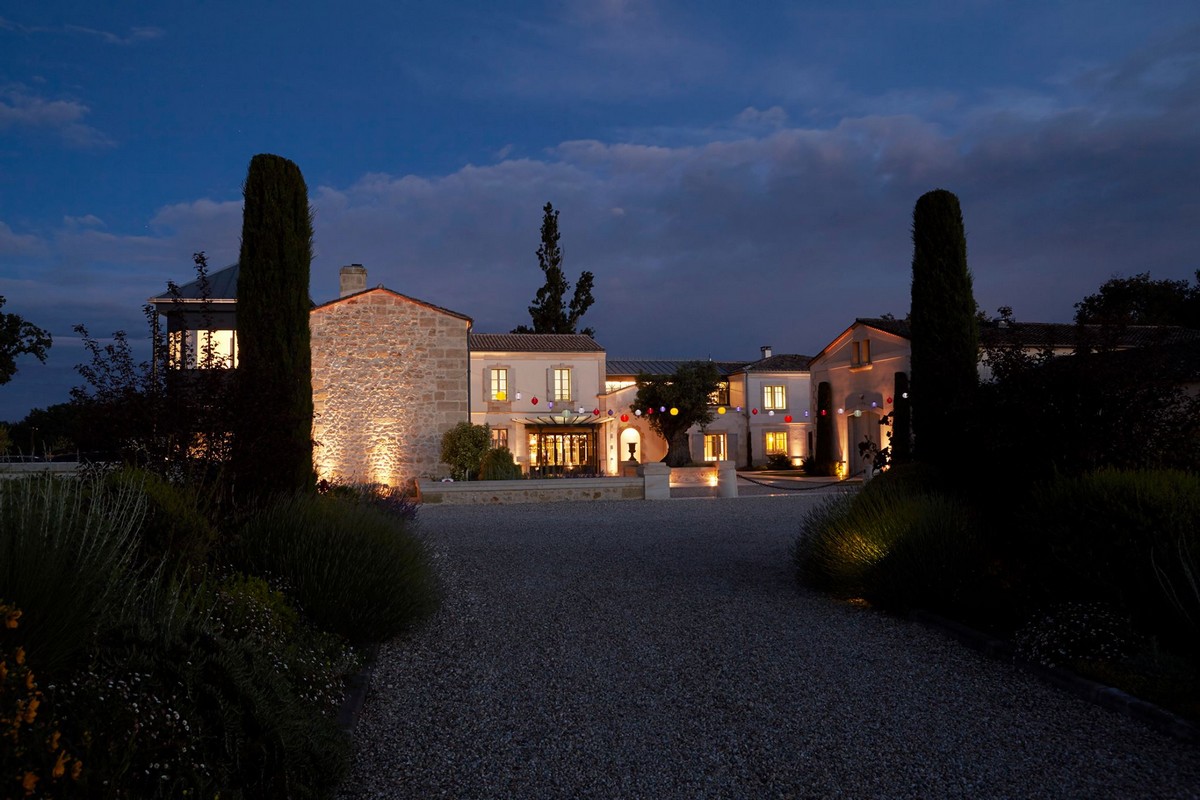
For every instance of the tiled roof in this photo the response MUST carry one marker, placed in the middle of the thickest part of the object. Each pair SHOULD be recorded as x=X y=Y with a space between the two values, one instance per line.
x=533 y=343
x=222 y=285
x=896 y=327
x=639 y=366
x=784 y=362
x=1051 y=334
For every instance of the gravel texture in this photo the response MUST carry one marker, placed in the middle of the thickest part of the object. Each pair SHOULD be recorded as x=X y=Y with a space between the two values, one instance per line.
x=664 y=650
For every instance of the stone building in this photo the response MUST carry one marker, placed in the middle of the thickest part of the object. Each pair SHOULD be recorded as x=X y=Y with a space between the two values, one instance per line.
x=390 y=376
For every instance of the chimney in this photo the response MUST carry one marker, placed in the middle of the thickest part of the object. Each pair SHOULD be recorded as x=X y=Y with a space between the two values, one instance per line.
x=766 y=350
x=353 y=279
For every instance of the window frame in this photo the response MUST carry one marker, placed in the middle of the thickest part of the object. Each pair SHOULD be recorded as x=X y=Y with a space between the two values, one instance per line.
x=493 y=373
x=768 y=436
x=774 y=396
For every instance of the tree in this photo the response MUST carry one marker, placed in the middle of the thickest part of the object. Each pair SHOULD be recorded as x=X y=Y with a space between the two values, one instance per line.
x=901 y=443
x=1141 y=301
x=463 y=448
x=272 y=445
x=685 y=398
x=825 y=462
x=548 y=312
x=21 y=338
x=944 y=329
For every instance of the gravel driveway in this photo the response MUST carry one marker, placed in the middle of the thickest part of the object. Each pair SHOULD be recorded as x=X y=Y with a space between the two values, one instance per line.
x=663 y=650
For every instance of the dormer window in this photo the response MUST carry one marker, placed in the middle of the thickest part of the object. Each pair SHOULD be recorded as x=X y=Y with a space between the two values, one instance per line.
x=860 y=355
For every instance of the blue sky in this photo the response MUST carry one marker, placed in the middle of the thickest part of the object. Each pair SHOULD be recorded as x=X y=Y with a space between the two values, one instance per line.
x=733 y=177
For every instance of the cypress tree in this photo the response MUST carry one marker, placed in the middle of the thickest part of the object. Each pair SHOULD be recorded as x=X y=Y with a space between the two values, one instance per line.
x=272 y=448
x=901 y=421
x=825 y=430
x=945 y=332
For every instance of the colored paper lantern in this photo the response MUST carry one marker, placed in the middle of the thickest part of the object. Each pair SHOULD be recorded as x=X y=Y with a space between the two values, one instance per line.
x=501 y=396
x=638 y=412
x=549 y=404
x=904 y=395
x=788 y=418
x=624 y=418
x=595 y=412
x=662 y=409
x=806 y=412
x=610 y=412
x=874 y=404
x=674 y=412
x=721 y=410
x=824 y=412
x=534 y=401
x=739 y=409
x=857 y=413
x=841 y=411
x=754 y=411
x=889 y=401
x=771 y=413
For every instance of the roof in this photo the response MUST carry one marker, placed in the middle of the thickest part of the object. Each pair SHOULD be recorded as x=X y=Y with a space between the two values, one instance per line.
x=1054 y=334
x=639 y=366
x=533 y=343
x=382 y=288
x=222 y=287
x=784 y=362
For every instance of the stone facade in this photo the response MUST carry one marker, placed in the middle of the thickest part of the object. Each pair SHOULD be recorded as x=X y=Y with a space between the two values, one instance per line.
x=390 y=376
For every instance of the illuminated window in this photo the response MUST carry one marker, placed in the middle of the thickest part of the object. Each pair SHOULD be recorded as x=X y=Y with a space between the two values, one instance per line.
x=562 y=384
x=613 y=386
x=498 y=385
x=721 y=396
x=202 y=349
x=714 y=447
x=774 y=397
x=860 y=353
x=499 y=437
x=776 y=442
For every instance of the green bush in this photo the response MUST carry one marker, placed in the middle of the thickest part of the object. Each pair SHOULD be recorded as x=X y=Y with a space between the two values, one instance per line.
x=175 y=531
x=463 y=448
x=66 y=559
x=896 y=546
x=354 y=569
x=938 y=563
x=498 y=465
x=779 y=461
x=1123 y=538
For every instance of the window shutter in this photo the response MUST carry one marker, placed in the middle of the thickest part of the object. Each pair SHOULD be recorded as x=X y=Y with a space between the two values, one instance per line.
x=487 y=384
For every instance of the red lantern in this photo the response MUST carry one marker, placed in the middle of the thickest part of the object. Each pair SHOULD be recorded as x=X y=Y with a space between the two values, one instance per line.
x=754 y=411
x=823 y=412
x=649 y=411
x=595 y=412
x=889 y=400
x=788 y=418
x=624 y=418
x=535 y=401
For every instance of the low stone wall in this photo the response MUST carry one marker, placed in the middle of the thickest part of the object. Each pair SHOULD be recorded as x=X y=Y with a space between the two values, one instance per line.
x=540 y=490
x=694 y=476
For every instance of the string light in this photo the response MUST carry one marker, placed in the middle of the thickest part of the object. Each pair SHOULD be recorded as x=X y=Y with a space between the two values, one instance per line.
x=534 y=401
x=674 y=412
x=788 y=418
x=624 y=418
x=721 y=410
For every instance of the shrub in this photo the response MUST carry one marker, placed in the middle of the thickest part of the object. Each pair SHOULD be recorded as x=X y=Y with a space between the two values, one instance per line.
x=779 y=461
x=498 y=465
x=1075 y=632
x=175 y=530
x=392 y=499
x=353 y=568
x=938 y=563
x=66 y=553
x=210 y=690
x=34 y=758
x=463 y=448
x=1120 y=538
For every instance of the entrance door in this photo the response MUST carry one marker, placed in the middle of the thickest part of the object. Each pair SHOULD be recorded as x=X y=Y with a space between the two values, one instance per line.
x=861 y=429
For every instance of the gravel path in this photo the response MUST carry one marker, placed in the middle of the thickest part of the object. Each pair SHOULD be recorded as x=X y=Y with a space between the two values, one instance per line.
x=663 y=650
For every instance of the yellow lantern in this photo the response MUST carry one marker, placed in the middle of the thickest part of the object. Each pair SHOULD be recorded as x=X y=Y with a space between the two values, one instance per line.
x=674 y=412
x=721 y=410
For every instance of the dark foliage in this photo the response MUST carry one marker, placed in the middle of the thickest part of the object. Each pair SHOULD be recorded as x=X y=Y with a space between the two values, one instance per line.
x=1138 y=300
x=687 y=391
x=945 y=336
x=550 y=312
x=272 y=444
x=901 y=444
x=825 y=459
x=498 y=465
x=19 y=338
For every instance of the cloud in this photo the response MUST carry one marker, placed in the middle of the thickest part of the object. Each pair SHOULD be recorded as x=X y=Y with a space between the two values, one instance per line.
x=21 y=110
x=135 y=35
x=86 y=221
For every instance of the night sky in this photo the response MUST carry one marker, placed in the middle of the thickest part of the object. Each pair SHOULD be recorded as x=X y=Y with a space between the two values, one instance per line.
x=734 y=174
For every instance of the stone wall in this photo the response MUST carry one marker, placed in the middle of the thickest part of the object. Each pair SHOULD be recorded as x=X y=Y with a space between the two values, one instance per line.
x=390 y=376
